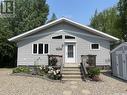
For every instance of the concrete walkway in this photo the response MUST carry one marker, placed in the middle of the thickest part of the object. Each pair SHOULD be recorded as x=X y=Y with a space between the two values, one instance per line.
x=74 y=87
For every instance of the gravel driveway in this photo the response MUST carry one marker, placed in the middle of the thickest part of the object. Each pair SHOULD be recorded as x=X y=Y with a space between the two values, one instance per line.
x=21 y=85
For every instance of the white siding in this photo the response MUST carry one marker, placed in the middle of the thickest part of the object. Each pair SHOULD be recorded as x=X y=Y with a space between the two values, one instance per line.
x=25 y=56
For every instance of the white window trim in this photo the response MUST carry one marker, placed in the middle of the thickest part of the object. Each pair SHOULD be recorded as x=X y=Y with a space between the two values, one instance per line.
x=94 y=49
x=38 y=49
x=33 y=47
x=43 y=49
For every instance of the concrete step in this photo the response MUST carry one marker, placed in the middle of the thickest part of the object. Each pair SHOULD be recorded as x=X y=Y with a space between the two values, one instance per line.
x=71 y=65
x=71 y=76
x=72 y=79
x=71 y=69
x=71 y=72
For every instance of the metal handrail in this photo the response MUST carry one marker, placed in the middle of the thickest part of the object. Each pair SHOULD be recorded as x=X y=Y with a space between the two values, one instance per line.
x=83 y=70
x=84 y=65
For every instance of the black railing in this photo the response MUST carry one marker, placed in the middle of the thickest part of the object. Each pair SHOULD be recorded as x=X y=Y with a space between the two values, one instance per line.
x=83 y=70
x=87 y=61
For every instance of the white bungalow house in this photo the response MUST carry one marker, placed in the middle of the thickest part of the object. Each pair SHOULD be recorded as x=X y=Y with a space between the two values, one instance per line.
x=64 y=38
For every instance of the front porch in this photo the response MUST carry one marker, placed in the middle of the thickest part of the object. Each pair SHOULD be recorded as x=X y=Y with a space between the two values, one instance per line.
x=72 y=71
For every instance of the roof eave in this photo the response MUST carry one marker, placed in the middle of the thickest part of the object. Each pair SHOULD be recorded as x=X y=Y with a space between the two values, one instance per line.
x=13 y=39
x=91 y=29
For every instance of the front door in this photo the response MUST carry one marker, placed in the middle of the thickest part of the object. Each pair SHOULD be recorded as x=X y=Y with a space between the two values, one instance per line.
x=70 y=53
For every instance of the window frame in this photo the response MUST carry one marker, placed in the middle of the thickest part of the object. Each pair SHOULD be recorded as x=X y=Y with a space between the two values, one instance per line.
x=57 y=38
x=33 y=48
x=43 y=48
x=39 y=48
x=71 y=37
x=94 y=49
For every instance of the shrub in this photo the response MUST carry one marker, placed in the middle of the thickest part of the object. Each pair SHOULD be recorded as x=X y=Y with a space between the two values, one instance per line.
x=23 y=69
x=40 y=70
x=54 y=77
x=54 y=74
x=53 y=61
x=92 y=72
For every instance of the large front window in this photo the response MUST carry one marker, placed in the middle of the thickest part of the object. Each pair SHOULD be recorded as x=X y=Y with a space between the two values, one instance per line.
x=40 y=48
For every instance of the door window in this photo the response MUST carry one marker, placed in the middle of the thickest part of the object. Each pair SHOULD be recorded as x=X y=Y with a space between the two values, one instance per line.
x=70 y=51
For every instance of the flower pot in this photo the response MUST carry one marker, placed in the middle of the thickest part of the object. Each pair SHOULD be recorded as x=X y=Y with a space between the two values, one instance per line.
x=96 y=78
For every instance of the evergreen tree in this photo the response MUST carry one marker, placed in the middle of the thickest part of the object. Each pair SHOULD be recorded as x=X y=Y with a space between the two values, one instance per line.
x=107 y=21
x=52 y=18
x=122 y=7
x=29 y=14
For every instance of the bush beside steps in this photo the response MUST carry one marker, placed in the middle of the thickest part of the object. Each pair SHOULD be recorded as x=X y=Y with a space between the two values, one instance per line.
x=54 y=73
x=50 y=72
x=94 y=73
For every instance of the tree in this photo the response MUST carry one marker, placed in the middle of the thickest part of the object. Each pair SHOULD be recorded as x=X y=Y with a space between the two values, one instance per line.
x=107 y=21
x=7 y=49
x=28 y=15
x=52 y=18
x=122 y=7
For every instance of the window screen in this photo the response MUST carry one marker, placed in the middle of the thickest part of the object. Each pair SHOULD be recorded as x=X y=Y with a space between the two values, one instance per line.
x=40 y=48
x=46 y=48
x=34 y=48
x=95 y=46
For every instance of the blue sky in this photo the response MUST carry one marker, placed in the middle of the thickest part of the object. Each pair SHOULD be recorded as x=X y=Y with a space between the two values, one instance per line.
x=79 y=10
